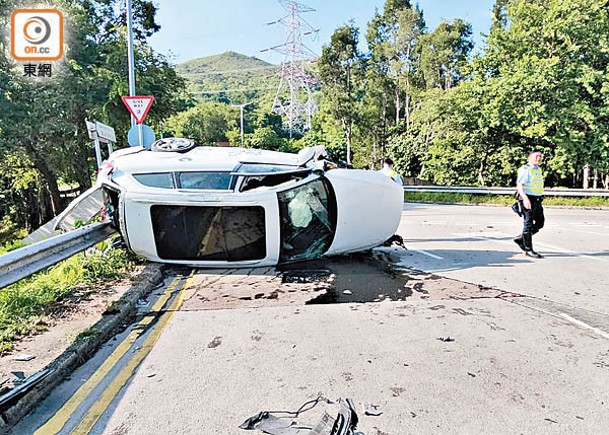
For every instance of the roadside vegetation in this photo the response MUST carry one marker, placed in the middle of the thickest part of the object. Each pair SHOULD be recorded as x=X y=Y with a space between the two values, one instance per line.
x=507 y=200
x=28 y=306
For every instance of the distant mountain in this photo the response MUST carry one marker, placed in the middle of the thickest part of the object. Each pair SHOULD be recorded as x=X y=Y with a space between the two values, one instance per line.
x=232 y=78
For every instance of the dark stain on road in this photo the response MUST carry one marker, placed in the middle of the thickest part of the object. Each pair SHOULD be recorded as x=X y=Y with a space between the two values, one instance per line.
x=352 y=278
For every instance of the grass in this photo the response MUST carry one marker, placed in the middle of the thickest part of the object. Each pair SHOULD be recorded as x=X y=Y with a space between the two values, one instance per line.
x=25 y=304
x=483 y=198
x=10 y=236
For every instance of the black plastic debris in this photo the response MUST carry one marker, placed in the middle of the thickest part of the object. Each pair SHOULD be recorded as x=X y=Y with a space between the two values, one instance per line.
x=344 y=423
x=303 y=276
x=396 y=239
x=446 y=339
x=370 y=409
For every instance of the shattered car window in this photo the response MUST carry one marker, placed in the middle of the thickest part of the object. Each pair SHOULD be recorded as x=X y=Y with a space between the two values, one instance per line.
x=263 y=175
x=204 y=180
x=261 y=168
x=163 y=180
x=308 y=221
x=209 y=233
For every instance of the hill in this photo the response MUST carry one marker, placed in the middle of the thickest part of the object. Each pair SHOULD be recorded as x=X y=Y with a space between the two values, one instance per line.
x=231 y=77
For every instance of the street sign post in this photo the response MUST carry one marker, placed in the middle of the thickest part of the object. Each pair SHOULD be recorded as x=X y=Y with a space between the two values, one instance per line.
x=105 y=133
x=147 y=135
x=99 y=132
x=138 y=107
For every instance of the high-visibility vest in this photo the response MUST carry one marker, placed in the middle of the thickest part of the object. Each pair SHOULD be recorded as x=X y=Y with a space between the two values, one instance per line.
x=534 y=186
x=390 y=173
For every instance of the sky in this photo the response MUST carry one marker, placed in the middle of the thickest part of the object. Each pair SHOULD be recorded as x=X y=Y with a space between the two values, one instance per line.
x=197 y=28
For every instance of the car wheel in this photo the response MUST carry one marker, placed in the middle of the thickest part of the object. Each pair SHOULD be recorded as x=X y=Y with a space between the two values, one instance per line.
x=175 y=144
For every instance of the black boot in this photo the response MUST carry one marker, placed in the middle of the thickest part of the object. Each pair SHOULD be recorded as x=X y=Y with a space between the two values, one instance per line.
x=520 y=242
x=528 y=246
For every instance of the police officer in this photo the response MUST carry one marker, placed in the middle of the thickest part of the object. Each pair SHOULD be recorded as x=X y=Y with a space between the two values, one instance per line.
x=390 y=172
x=530 y=190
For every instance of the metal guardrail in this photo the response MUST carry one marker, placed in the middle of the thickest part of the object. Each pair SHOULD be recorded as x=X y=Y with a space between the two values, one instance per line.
x=23 y=262
x=507 y=191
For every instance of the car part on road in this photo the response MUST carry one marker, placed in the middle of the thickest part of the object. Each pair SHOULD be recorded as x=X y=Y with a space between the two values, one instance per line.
x=345 y=422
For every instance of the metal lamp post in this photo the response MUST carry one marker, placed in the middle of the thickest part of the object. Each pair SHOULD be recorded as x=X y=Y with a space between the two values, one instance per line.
x=241 y=107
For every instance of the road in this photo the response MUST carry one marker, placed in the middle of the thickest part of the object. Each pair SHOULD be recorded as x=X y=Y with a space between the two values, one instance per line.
x=474 y=244
x=467 y=336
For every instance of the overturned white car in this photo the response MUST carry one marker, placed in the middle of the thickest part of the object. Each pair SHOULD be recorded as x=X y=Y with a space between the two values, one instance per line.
x=236 y=207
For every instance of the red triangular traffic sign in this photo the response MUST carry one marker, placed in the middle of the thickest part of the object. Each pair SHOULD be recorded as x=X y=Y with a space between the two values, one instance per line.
x=138 y=106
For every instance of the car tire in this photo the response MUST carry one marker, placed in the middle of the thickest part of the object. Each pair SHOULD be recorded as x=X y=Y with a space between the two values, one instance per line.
x=173 y=144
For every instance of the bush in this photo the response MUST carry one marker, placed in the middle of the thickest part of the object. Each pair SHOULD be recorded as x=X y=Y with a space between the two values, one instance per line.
x=24 y=305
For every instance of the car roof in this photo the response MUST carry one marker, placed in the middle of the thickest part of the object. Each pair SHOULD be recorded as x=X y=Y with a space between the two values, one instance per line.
x=199 y=158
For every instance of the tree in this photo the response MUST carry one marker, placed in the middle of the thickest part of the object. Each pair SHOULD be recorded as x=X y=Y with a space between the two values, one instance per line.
x=206 y=123
x=444 y=52
x=548 y=67
x=43 y=122
x=339 y=68
x=392 y=38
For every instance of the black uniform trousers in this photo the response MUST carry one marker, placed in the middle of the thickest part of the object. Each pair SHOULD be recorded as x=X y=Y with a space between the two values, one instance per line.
x=533 y=218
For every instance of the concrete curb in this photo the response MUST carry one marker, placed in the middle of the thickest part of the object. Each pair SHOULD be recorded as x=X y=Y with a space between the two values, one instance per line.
x=122 y=312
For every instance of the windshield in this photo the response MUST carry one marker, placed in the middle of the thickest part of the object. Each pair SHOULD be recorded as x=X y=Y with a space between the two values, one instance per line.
x=308 y=221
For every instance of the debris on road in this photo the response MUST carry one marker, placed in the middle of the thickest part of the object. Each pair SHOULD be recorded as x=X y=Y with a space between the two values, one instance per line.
x=24 y=357
x=345 y=422
x=370 y=409
x=446 y=339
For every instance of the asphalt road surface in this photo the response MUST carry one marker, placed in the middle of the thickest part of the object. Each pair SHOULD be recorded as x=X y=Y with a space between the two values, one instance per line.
x=466 y=335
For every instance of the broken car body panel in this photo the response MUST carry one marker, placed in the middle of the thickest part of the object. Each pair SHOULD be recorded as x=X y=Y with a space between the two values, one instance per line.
x=235 y=207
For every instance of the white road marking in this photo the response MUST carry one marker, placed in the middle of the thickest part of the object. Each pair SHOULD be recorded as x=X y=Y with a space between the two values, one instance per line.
x=585 y=232
x=429 y=254
x=466 y=224
x=585 y=325
x=486 y=235
x=586 y=224
x=435 y=222
x=570 y=252
x=490 y=236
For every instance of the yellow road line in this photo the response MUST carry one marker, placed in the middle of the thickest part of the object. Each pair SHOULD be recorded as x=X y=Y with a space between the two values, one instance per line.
x=57 y=422
x=95 y=412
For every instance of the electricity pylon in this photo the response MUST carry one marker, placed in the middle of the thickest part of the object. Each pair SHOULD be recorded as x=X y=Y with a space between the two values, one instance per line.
x=293 y=99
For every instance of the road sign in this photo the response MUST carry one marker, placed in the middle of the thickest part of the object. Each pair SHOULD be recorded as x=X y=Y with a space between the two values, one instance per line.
x=99 y=132
x=91 y=131
x=148 y=136
x=138 y=106
x=105 y=133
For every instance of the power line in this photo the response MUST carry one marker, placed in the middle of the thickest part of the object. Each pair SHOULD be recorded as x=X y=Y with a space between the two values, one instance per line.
x=294 y=80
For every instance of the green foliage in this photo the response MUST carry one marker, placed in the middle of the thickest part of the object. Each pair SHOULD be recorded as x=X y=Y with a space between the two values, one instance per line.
x=206 y=123
x=339 y=69
x=472 y=198
x=43 y=132
x=231 y=78
x=24 y=305
x=265 y=138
